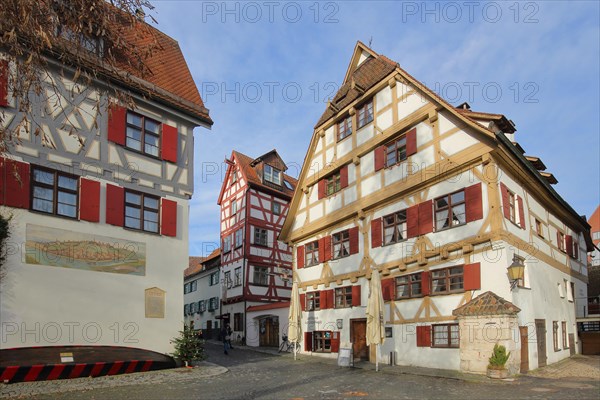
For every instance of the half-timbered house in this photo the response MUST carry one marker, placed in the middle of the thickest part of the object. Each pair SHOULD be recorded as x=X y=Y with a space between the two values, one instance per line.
x=441 y=200
x=254 y=202
x=98 y=201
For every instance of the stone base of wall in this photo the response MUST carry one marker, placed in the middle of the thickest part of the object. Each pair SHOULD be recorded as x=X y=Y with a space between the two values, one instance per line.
x=479 y=334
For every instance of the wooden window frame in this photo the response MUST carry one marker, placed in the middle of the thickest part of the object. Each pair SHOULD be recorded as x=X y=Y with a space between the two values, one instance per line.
x=186 y=288
x=260 y=276
x=340 y=240
x=214 y=278
x=238 y=322
x=365 y=114
x=397 y=222
x=261 y=237
x=346 y=123
x=234 y=177
x=234 y=207
x=227 y=281
x=238 y=276
x=312 y=250
x=193 y=285
x=449 y=208
x=555 y=335
x=202 y=306
x=411 y=281
x=241 y=238
x=539 y=229
x=512 y=207
x=270 y=177
x=322 y=341
x=447 y=278
x=276 y=208
x=333 y=183
x=56 y=190
x=437 y=341
x=143 y=208
x=313 y=301
x=343 y=297
x=395 y=152
x=227 y=244
x=561 y=242
x=565 y=343
x=143 y=131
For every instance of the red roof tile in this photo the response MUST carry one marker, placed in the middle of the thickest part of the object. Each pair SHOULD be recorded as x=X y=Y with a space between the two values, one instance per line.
x=195 y=266
x=270 y=306
x=253 y=174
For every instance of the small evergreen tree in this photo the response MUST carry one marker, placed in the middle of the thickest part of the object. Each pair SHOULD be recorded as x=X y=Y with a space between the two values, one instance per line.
x=188 y=346
x=499 y=357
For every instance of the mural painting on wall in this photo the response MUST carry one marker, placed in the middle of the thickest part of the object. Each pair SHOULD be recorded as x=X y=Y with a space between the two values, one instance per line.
x=89 y=252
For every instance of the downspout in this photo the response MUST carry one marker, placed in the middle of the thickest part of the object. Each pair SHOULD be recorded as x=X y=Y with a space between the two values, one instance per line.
x=247 y=207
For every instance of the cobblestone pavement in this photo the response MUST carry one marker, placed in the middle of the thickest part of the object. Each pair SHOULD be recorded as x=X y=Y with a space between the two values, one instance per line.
x=248 y=374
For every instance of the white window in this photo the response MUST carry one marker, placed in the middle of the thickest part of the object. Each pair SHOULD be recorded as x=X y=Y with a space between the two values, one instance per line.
x=214 y=278
x=272 y=174
x=234 y=207
x=238 y=238
x=226 y=244
x=238 y=276
x=261 y=237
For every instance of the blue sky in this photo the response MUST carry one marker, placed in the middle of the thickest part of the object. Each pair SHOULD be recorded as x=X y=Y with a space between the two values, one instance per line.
x=266 y=69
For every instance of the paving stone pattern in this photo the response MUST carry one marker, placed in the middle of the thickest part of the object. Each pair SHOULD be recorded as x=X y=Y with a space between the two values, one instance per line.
x=249 y=374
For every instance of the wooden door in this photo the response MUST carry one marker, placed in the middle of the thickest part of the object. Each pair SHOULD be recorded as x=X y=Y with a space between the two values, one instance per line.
x=269 y=332
x=524 y=350
x=358 y=336
x=540 y=335
x=571 y=344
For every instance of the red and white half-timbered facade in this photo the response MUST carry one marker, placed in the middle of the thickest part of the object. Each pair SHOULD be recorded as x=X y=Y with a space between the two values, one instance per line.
x=254 y=202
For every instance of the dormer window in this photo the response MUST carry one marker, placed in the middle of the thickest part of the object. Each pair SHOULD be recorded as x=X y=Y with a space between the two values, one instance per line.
x=92 y=44
x=272 y=175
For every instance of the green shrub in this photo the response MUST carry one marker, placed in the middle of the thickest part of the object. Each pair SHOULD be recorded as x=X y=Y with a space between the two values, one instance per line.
x=499 y=357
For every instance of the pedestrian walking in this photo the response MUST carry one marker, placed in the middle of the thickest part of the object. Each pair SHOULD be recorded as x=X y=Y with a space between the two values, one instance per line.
x=229 y=334
x=225 y=338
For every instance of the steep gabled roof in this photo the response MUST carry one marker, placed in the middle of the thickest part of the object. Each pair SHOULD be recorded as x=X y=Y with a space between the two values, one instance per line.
x=371 y=72
x=251 y=169
x=487 y=303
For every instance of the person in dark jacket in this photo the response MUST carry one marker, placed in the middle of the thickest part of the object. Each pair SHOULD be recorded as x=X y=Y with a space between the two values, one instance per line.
x=225 y=338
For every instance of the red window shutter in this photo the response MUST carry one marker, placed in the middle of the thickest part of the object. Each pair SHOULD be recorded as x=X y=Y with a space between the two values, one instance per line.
x=115 y=205
x=3 y=83
x=117 y=117
x=14 y=191
x=326 y=248
x=521 y=212
x=300 y=257
x=474 y=206
x=168 y=210
x=354 y=240
x=322 y=255
x=424 y=336
x=321 y=188
x=303 y=302
x=89 y=200
x=425 y=286
x=376 y=233
x=505 y=201
x=388 y=287
x=328 y=296
x=411 y=142
x=168 y=148
x=379 y=158
x=426 y=217
x=308 y=341
x=335 y=342
x=569 y=244
x=412 y=221
x=344 y=176
x=472 y=276
x=356 y=301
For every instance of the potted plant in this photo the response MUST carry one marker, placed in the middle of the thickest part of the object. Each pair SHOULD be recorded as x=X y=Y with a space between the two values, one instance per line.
x=189 y=348
x=496 y=368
